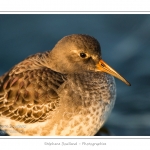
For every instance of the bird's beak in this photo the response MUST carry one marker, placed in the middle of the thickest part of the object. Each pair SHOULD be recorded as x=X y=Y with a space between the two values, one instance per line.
x=102 y=66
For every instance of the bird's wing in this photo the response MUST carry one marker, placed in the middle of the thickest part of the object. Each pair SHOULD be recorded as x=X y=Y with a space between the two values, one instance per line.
x=30 y=96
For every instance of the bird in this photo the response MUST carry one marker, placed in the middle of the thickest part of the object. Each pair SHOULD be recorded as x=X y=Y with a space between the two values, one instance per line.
x=67 y=91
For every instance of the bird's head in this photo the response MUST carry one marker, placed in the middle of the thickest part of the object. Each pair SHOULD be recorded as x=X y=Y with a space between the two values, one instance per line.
x=77 y=53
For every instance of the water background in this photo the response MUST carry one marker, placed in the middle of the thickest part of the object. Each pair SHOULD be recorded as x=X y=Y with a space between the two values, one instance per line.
x=125 y=43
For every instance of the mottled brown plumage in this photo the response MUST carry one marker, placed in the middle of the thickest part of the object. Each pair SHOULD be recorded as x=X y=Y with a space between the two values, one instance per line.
x=58 y=92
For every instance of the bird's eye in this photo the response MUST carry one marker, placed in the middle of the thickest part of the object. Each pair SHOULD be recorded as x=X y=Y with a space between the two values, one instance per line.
x=83 y=55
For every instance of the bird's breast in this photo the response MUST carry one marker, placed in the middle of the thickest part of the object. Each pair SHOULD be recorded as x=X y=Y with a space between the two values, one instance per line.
x=86 y=101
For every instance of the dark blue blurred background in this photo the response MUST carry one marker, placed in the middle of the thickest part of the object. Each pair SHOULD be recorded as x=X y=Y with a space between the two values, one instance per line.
x=125 y=43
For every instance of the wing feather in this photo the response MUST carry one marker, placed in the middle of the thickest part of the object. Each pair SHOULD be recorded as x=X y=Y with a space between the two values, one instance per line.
x=31 y=95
